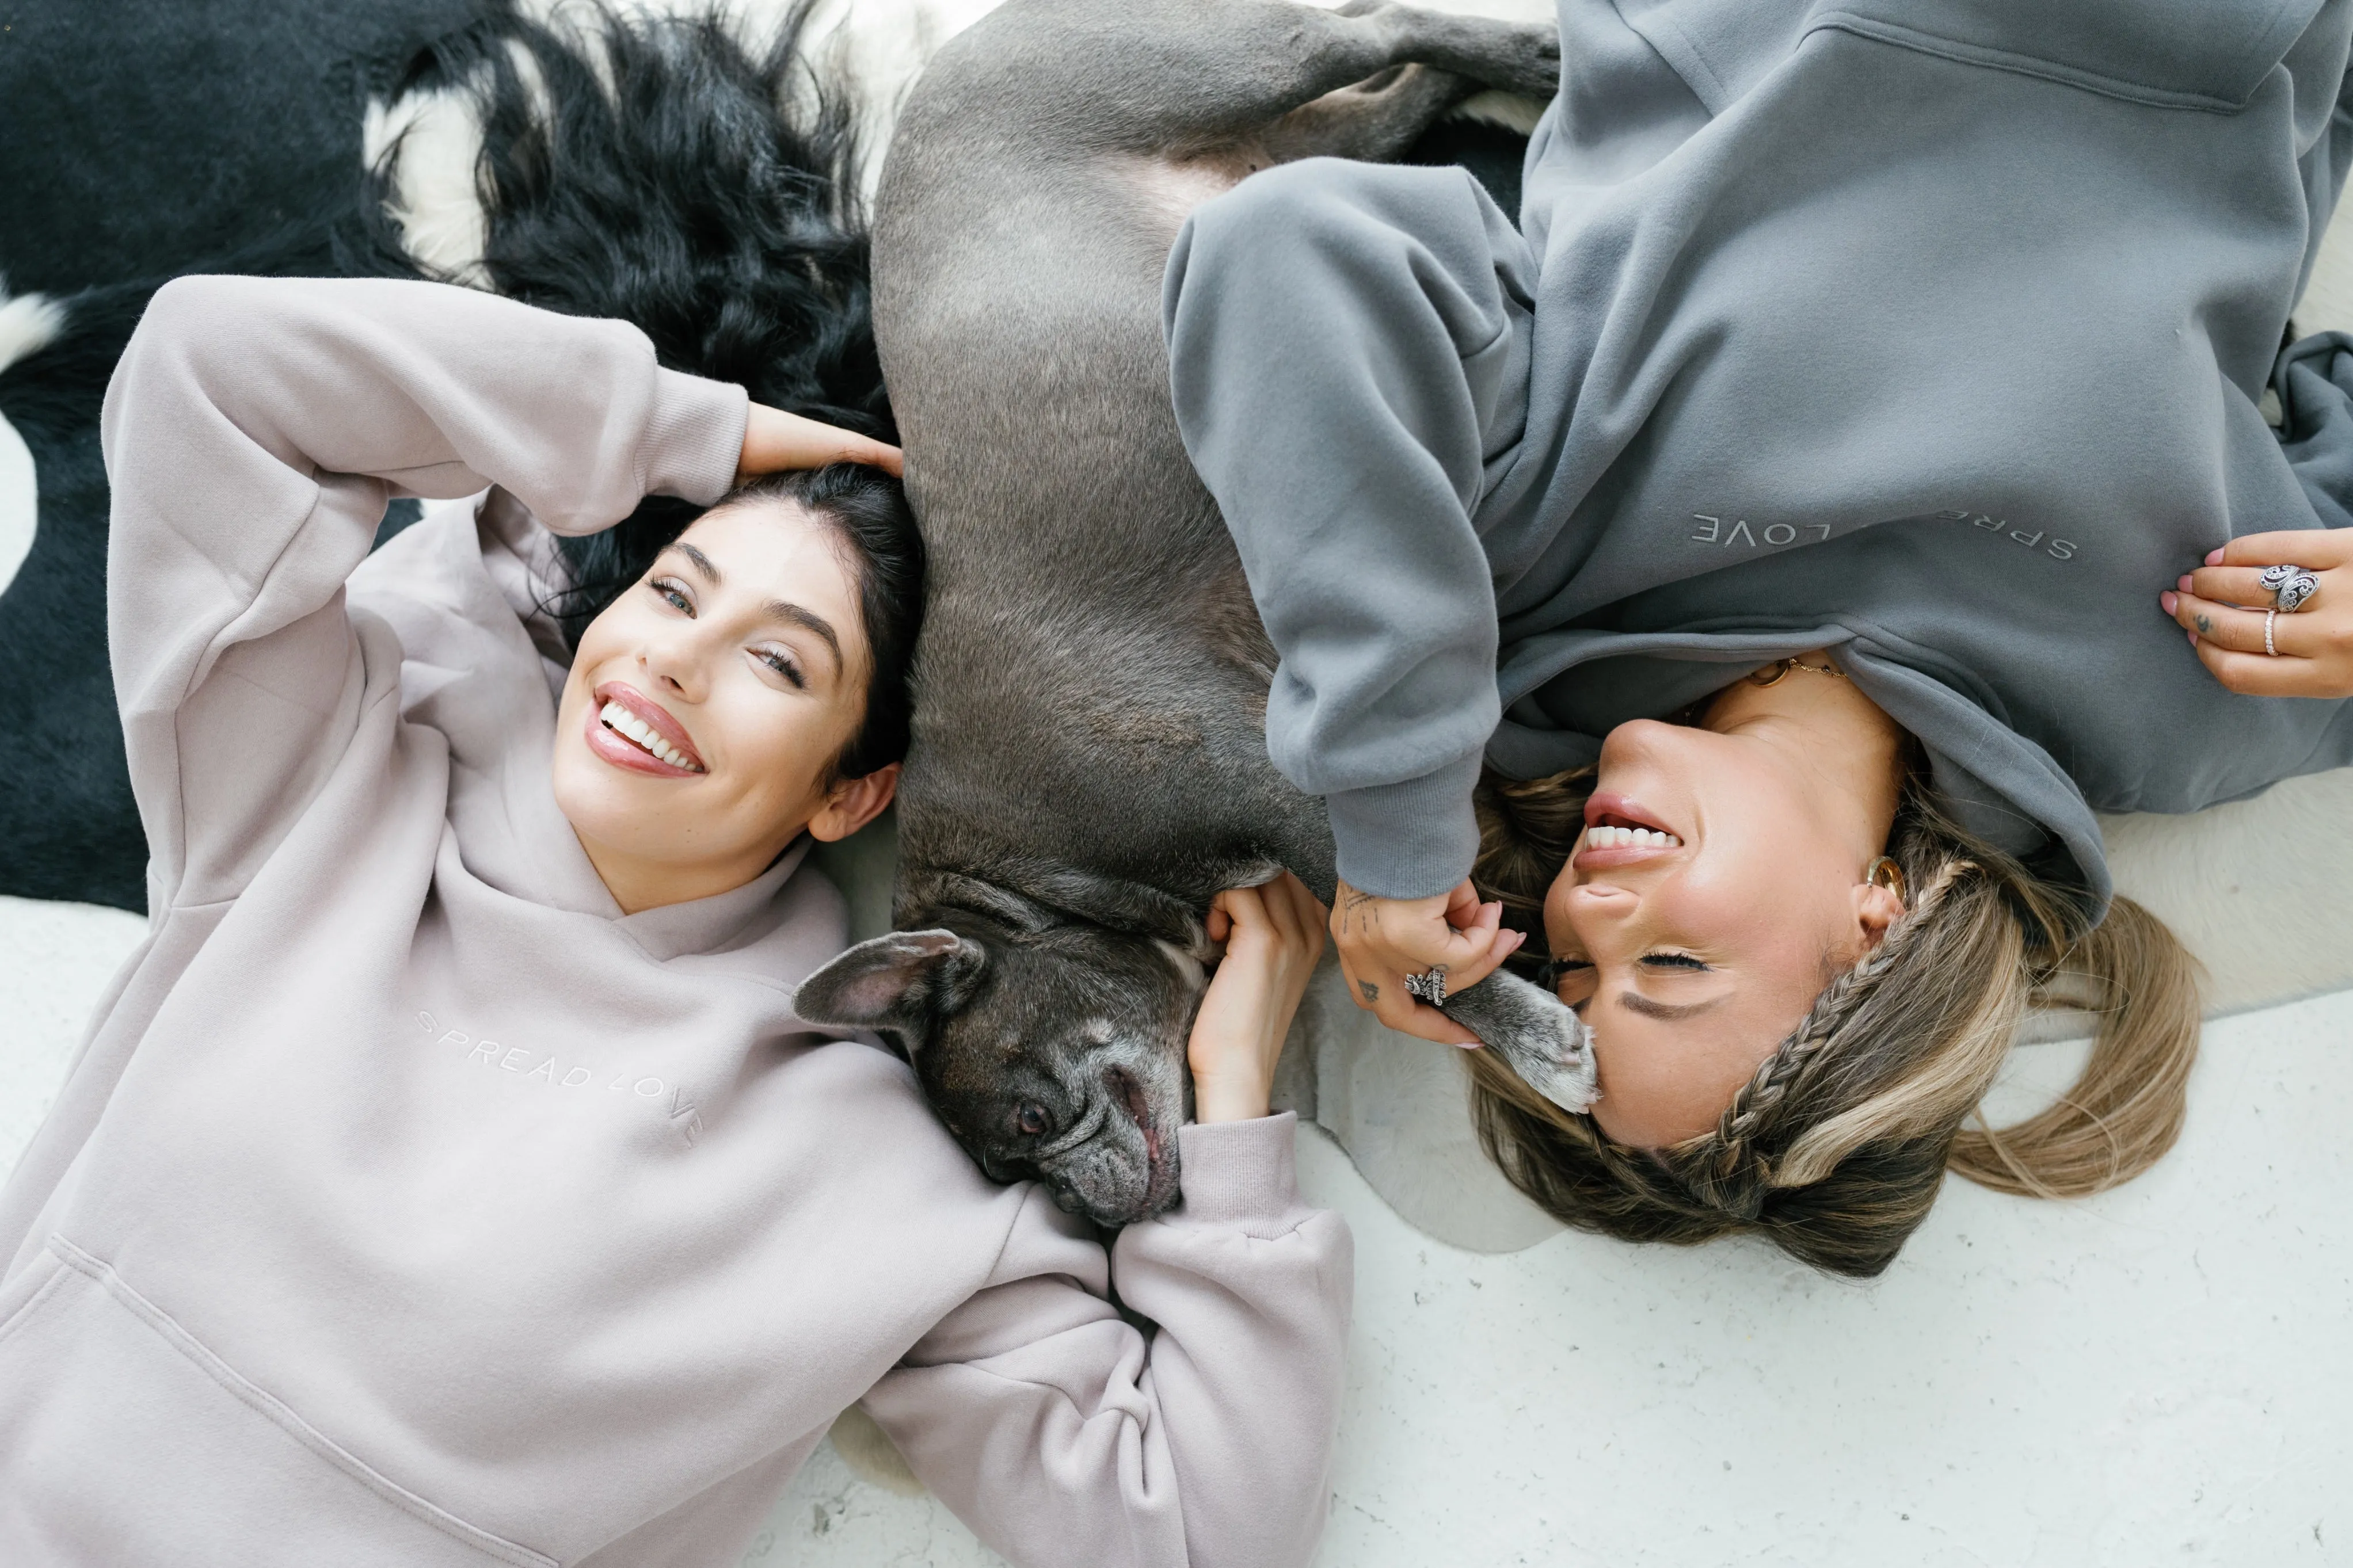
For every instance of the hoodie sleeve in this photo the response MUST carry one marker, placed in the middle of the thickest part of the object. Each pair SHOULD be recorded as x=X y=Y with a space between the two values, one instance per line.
x=1064 y=1435
x=1348 y=351
x=253 y=432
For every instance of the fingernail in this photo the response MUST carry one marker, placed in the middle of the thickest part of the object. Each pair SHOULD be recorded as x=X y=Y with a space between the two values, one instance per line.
x=1470 y=1045
x=2192 y=637
x=2184 y=584
x=2213 y=558
x=2169 y=601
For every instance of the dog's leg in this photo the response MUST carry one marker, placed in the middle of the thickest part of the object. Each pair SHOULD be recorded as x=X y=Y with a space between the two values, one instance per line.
x=1373 y=119
x=1153 y=75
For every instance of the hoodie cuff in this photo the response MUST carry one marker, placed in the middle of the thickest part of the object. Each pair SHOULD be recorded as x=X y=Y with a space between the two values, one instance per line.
x=1410 y=840
x=695 y=438
x=1235 y=1171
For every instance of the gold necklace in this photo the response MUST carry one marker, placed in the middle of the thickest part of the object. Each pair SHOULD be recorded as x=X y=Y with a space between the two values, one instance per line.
x=1773 y=673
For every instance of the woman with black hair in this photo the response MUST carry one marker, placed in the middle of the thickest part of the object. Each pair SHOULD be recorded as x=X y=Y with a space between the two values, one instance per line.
x=447 y=1178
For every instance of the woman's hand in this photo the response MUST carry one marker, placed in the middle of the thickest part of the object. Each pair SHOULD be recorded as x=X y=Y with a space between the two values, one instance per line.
x=2222 y=607
x=775 y=441
x=1382 y=941
x=1272 y=936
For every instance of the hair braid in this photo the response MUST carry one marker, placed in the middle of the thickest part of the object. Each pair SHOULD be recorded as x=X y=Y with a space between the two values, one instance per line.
x=1738 y=1175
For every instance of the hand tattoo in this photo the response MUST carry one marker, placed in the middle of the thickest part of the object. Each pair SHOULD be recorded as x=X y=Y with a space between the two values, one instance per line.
x=1371 y=992
x=2205 y=626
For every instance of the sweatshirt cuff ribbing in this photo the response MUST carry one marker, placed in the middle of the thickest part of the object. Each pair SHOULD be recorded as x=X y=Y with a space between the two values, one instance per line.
x=1409 y=840
x=695 y=438
x=1235 y=1172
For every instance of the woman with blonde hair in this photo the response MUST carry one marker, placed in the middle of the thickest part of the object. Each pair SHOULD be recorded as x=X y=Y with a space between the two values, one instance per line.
x=1752 y=561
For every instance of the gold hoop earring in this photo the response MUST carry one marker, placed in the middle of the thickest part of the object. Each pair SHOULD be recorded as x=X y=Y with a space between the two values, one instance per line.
x=1886 y=873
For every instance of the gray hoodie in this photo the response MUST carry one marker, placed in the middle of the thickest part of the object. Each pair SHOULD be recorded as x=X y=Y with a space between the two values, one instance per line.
x=1930 y=332
x=408 y=1204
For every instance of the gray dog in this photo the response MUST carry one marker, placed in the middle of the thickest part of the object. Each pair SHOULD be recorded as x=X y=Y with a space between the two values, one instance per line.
x=1089 y=766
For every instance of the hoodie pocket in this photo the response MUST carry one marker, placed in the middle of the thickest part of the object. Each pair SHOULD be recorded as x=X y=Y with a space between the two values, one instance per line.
x=126 y=1441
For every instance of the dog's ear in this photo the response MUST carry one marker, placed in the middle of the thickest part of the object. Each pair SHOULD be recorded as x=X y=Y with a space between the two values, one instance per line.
x=901 y=982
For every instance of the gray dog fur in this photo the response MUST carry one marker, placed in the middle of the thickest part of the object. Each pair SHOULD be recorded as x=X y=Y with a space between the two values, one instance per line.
x=1089 y=763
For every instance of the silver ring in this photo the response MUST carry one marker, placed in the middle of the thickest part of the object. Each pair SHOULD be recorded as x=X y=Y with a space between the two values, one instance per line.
x=2290 y=586
x=2271 y=619
x=1429 y=987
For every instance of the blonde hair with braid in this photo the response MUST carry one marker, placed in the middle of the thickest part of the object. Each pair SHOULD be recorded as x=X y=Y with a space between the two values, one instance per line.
x=1835 y=1148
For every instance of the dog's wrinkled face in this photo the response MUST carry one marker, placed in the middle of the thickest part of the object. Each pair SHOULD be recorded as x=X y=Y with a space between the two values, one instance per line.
x=1056 y=1054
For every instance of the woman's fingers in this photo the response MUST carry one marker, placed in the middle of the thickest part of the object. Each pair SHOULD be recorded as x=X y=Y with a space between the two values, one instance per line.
x=1485 y=947
x=1428 y=1023
x=2317 y=548
x=775 y=441
x=2311 y=652
x=2240 y=630
x=1383 y=940
x=1300 y=913
x=2259 y=675
x=2240 y=585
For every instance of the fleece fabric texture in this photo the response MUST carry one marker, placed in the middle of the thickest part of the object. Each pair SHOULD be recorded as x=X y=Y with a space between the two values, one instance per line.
x=1928 y=331
x=409 y=1203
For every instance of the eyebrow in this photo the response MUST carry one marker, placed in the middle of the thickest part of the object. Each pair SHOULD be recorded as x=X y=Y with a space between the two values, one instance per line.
x=775 y=609
x=1635 y=1002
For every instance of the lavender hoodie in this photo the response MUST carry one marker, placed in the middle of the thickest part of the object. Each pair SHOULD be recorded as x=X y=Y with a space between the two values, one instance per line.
x=409 y=1203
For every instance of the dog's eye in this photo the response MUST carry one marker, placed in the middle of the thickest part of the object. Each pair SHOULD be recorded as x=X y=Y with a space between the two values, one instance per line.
x=1032 y=1120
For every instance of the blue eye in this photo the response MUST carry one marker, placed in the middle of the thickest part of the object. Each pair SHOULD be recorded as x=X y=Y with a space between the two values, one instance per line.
x=673 y=593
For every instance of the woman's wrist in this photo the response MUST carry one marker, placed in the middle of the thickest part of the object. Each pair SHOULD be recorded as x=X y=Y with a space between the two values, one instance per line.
x=1240 y=1096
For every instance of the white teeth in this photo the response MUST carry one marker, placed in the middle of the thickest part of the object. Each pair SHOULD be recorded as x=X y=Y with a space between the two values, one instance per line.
x=1630 y=837
x=620 y=719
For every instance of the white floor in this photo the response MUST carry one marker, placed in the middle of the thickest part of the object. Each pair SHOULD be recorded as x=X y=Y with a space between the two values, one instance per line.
x=2163 y=1374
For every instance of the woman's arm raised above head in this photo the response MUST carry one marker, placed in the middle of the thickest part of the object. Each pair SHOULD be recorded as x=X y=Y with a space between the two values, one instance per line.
x=253 y=431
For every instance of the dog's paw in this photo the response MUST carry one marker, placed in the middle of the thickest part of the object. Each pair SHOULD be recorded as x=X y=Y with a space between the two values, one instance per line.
x=1538 y=1037
x=1533 y=71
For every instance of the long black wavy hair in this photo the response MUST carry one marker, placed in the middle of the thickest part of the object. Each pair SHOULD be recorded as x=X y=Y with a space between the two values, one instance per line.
x=650 y=169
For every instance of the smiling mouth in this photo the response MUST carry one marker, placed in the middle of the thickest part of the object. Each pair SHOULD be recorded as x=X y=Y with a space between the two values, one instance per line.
x=640 y=734
x=1619 y=831
x=631 y=731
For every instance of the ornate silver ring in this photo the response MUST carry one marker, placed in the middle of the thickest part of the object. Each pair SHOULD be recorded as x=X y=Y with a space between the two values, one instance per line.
x=2290 y=587
x=1428 y=986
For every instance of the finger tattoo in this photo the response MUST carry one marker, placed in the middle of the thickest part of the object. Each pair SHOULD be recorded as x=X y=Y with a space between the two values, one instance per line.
x=2205 y=626
x=1372 y=992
